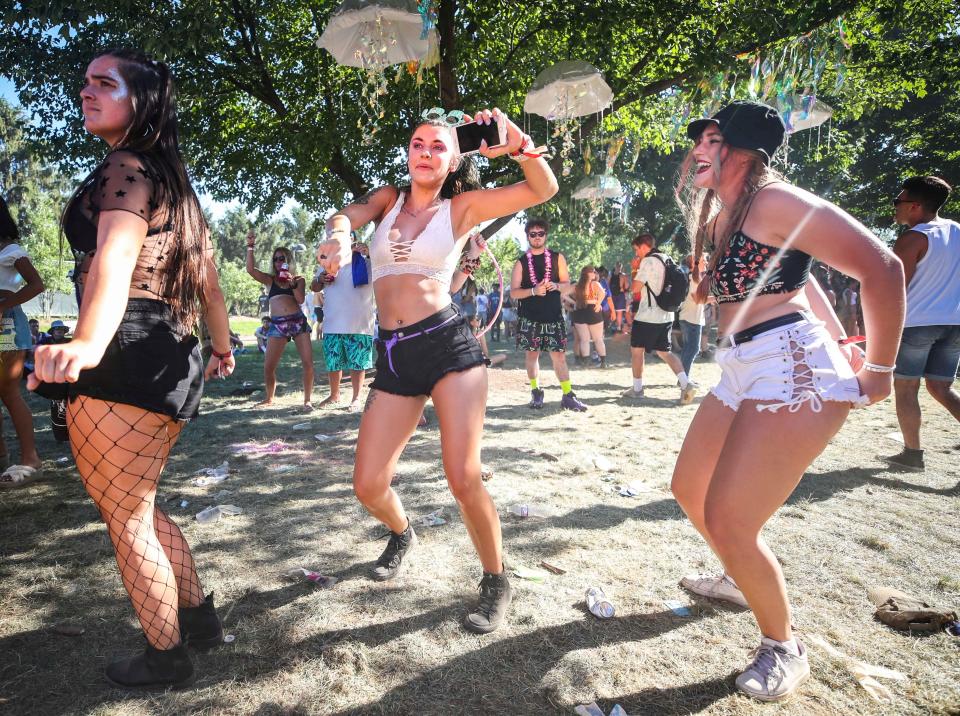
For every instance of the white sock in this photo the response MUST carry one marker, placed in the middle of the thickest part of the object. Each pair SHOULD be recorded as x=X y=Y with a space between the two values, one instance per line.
x=682 y=377
x=790 y=646
x=637 y=385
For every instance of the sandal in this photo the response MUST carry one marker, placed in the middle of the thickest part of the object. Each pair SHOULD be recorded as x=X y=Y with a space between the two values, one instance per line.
x=19 y=476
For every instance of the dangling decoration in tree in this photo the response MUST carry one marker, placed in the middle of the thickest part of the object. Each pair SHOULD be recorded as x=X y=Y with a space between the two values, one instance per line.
x=374 y=34
x=563 y=92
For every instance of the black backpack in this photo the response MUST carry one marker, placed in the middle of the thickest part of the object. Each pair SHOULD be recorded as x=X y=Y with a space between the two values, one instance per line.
x=675 y=285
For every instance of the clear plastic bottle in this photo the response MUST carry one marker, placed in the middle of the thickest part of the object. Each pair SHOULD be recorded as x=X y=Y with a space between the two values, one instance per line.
x=531 y=511
x=209 y=515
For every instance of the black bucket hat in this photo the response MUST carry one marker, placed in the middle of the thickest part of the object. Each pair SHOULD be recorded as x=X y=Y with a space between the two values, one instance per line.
x=747 y=125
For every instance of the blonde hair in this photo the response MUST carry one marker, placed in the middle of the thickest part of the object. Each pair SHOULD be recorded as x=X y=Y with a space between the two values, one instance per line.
x=700 y=207
x=288 y=258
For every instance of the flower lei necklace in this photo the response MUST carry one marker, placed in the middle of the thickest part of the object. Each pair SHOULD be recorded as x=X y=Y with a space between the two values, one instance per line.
x=546 y=264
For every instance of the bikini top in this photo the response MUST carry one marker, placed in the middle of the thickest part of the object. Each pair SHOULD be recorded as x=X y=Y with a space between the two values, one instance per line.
x=746 y=260
x=276 y=290
x=431 y=254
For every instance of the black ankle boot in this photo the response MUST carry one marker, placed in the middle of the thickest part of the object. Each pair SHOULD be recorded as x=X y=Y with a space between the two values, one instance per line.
x=391 y=560
x=153 y=669
x=200 y=626
x=495 y=597
x=603 y=361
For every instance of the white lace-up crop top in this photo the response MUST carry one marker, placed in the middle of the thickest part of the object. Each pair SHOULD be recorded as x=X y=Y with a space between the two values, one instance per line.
x=431 y=254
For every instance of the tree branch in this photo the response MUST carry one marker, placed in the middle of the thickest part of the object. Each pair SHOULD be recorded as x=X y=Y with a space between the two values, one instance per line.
x=446 y=28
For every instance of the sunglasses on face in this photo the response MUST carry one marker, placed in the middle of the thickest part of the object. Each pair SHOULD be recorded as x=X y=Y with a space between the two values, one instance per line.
x=898 y=201
x=537 y=234
x=279 y=258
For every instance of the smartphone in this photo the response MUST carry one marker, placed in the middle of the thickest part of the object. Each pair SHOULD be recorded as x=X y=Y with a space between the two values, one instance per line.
x=470 y=135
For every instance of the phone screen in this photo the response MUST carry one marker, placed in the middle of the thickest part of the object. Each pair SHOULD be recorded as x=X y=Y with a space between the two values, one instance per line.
x=470 y=135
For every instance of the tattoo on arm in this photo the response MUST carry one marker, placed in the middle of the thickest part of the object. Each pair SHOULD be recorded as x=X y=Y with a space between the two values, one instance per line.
x=365 y=199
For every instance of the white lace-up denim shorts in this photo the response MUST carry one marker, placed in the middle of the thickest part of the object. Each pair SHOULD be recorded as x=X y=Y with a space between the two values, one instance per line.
x=787 y=367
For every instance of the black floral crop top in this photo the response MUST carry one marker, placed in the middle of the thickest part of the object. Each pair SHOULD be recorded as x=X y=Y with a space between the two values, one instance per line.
x=746 y=260
x=123 y=181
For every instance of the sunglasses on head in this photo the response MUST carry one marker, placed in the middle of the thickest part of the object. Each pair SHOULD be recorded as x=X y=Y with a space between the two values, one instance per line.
x=537 y=234
x=439 y=114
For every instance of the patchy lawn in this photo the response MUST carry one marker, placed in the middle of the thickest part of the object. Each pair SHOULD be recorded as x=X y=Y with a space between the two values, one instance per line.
x=398 y=648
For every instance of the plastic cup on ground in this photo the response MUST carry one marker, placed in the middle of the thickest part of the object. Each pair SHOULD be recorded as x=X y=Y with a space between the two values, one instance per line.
x=598 y=604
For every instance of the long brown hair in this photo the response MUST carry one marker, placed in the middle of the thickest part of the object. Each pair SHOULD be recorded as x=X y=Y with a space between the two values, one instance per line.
x=701 y=207
x=466 y=176
x=580 y=291
x=152 y=135
x=287 y=257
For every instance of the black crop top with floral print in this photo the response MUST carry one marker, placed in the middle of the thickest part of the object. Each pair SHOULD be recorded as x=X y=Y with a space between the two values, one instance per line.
x=746 y=261
x=123 y=181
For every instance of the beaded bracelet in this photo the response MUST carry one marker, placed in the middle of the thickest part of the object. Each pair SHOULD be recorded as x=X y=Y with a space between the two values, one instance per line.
x=877 y=368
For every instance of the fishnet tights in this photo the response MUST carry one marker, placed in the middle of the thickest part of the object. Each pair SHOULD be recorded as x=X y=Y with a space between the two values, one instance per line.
x=120 y=452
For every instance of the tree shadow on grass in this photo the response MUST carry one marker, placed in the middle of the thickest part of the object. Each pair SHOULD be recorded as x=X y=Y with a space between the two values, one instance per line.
x=818 y=487
x=459 y=685
x=672 y=701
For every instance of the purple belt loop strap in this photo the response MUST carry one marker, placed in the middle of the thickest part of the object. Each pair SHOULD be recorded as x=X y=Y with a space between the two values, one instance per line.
x=390 y=343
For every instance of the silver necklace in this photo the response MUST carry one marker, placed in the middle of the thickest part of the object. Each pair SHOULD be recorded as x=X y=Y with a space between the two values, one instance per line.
x=416 y=213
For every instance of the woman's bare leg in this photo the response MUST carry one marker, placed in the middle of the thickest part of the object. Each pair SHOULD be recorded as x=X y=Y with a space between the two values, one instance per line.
x=305 y=349
x=271 y=360
x=11 y=368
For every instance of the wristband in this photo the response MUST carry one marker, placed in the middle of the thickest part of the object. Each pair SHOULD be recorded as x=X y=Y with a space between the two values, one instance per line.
x=876 y=368
x=221 y=356
x=851 y=339
x=249 y=248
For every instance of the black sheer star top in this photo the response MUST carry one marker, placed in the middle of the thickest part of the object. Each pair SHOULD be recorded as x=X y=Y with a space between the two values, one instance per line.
x=124 y=181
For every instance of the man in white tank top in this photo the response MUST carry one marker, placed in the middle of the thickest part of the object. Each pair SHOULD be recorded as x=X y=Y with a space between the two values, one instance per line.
x=930 y=345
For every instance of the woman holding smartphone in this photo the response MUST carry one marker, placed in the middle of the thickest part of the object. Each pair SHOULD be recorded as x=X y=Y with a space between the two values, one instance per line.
x=425 y=347
x=133 y=373
x=788 y=378
x=287 y=322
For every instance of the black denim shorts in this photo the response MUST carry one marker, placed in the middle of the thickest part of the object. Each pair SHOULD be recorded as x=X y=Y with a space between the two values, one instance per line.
x=415 y=363
x=148 y=364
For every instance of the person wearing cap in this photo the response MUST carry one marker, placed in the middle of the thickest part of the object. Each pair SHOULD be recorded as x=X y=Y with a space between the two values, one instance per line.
x=56 y=334
x=788 y=379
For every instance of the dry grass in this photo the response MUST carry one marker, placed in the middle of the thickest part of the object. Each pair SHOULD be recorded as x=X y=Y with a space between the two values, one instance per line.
x=366 y=647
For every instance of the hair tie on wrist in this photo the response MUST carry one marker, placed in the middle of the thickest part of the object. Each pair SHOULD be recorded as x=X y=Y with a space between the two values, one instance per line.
x=877 y=368
x=221 y=356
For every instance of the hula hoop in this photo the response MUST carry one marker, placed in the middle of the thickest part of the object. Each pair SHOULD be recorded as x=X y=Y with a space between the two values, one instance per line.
x=496 y=313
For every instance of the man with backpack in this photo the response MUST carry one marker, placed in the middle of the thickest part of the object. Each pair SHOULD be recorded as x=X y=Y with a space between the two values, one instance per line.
x=662 y=287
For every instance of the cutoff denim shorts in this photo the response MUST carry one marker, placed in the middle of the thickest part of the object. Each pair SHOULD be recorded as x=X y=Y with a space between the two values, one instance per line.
x=786 y=367
x=929 y=351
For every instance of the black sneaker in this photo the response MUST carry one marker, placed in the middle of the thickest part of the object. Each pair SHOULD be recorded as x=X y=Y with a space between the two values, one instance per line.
x=907 y=459
x=200 y=627
x=391 y=560
x=495 y=597
x=154 y=668
x=536 y=399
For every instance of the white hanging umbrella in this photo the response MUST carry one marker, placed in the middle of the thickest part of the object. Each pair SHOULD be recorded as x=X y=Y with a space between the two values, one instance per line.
x=815 y=114
x=568 y=89
x=375 y=34
x=601 y=186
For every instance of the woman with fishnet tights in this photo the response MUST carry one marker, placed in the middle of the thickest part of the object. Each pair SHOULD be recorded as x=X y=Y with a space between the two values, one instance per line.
x=133 y=373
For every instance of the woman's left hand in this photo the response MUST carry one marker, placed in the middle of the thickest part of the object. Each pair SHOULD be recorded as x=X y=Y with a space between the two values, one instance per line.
x=62 y=363
x=515 y=136
x=219 y=367
x=874 y=386
x=476 y=246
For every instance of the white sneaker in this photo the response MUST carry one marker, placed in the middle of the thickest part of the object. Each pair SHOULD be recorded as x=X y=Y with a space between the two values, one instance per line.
x=774 y=673
x=722 y=588
x=631 y=393
x=689 y=393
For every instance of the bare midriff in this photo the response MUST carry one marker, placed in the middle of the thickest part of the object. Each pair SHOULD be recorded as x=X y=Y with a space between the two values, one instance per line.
x=283 y=305
x=408 y=298
x=744 y=314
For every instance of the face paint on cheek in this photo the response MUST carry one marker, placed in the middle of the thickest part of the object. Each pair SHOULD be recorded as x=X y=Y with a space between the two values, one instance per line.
x=121 y=92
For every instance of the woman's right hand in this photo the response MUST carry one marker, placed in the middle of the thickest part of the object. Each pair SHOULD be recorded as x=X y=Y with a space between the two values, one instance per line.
x=62 y=363
x=874 y=386
x=250 y=238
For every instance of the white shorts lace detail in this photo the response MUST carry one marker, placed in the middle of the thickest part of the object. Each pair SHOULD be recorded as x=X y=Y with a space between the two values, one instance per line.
x=787 y=367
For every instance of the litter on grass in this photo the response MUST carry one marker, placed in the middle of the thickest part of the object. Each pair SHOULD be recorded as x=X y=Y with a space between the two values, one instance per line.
x=64 y=460
x=301 y=426
x=216 y=513
x=603 y=464
x=592 y=709
x=323 y=438
x=552 y=568
x=211 y=475
x=486 y=472
x=677 y=608
x=531 y=575
x=308 y=575
x=634 y=489
x=865 y=674
x=281 y=468
x=228 y=638
x=598 y=604
x=434 y=519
